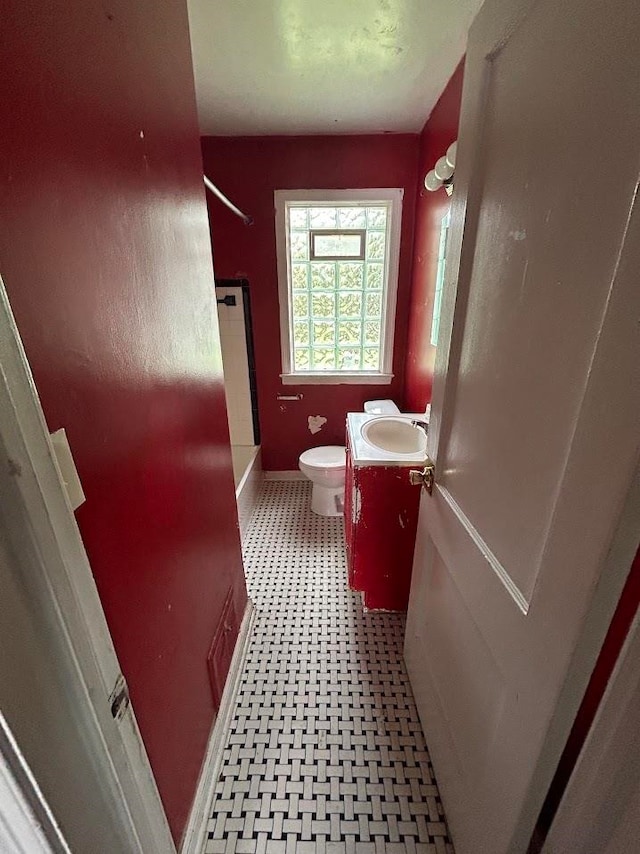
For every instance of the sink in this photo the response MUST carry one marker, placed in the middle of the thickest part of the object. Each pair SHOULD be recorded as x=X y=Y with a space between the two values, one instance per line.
x=394 y=434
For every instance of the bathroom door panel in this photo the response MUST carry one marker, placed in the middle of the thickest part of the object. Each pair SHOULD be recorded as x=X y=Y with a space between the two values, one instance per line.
x=536 y=409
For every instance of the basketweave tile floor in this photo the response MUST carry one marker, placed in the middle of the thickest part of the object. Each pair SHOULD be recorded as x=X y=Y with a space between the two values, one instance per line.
x=326 y=753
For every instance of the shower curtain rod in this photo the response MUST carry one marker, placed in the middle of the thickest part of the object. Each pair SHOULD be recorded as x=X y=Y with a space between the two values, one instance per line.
x=247 y=220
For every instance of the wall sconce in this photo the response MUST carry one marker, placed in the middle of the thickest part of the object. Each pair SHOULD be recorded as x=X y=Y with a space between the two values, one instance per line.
x=442 y=173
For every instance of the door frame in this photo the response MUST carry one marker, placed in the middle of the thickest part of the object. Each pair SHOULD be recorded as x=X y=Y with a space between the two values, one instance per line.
x=43 y=517
x=27 y=825
x=605 y=776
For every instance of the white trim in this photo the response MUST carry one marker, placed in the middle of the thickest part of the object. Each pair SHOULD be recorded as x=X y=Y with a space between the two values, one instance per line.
x=311 y=378
x=248 y=471
x=43 y=514
x=503 y=576
x=292 y=474
x=20 y=832
x=247 y=492
x=194 y=835
x=385 y=195
x=27 y=825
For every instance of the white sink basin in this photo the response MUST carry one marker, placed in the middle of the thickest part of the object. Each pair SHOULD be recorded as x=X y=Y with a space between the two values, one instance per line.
x=394 y=434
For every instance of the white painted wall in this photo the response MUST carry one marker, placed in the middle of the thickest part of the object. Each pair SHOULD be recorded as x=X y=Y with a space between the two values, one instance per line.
x=235 y=362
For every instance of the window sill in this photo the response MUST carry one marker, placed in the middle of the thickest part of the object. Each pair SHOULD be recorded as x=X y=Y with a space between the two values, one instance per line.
x=336 y=379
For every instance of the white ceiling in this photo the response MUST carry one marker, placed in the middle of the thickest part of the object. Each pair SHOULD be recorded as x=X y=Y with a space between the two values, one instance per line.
x=323 y=66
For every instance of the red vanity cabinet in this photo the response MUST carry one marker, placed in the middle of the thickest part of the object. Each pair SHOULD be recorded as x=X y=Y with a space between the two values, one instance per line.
x=381 y=518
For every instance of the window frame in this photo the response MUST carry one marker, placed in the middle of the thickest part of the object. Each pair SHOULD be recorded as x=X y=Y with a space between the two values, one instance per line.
x=392 y=198
x=331 y=232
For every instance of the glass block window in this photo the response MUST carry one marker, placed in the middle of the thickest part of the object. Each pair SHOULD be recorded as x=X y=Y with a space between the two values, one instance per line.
x=442 y=260
x=339 y=255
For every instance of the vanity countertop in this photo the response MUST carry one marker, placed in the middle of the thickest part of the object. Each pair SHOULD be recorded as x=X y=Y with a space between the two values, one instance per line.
x=364 y=454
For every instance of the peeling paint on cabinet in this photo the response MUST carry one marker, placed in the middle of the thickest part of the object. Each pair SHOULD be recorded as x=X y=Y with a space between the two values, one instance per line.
x=381 y=517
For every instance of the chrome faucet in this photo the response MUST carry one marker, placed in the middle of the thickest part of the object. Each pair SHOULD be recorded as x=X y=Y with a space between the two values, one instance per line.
x=422 y=425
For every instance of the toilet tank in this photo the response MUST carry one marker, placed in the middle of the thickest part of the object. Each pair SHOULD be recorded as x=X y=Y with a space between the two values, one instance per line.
x=381 y=407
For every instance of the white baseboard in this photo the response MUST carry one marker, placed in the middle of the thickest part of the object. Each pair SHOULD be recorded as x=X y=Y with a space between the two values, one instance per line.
x=285 y=475
x=194 y=836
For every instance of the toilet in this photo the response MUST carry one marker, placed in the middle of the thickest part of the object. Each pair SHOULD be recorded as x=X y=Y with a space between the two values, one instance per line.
x=325 y=467
x=381 y=407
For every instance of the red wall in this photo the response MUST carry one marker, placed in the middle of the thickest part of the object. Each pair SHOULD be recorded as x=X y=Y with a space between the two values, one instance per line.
x=105 y=252
x=438 y=133
x=248 y=170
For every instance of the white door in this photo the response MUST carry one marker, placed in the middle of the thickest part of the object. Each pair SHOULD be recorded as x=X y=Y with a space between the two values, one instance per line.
x=536 y=409
x=600 y=810
x=61 y=689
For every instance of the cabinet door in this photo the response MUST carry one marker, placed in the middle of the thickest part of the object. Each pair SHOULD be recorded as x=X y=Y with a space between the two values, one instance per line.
x=385 y=532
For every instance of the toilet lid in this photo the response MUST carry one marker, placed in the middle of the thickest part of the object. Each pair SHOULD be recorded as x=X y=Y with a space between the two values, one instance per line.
x=327 y=456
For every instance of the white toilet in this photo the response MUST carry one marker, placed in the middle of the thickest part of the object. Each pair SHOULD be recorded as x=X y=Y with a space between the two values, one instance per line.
x=325 y=467
x=381 y=407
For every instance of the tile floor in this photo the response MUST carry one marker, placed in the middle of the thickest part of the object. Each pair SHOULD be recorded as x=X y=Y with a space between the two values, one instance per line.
x=326 y=754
